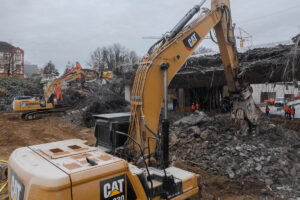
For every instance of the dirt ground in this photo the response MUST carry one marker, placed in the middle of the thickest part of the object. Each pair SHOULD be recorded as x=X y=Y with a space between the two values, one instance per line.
x=16 y=133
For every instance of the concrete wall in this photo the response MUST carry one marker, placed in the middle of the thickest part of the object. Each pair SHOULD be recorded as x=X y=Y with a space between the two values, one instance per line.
x=279 y=88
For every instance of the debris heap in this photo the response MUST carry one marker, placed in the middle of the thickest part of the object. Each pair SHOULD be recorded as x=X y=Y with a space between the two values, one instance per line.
x=266 y=64
x=89 y=99
x=272 y=157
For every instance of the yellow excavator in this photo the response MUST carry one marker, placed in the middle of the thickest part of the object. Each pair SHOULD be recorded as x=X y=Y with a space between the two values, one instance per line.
x=130 y=160
x=105 y=74
x=52 y=100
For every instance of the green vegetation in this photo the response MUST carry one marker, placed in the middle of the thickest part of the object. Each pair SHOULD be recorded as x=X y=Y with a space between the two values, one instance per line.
x=11 y=87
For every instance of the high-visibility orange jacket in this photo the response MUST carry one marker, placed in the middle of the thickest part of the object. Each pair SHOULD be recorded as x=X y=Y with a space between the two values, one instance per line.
x=292 y=111
x=286 y=109
x=193 y=107
x=58 y=93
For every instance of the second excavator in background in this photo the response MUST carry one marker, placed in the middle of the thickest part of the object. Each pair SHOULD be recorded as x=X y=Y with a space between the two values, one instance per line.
x=52 y=100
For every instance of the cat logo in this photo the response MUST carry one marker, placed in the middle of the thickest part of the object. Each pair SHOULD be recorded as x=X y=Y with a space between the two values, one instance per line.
x=16 y=187
x=191 y=41
x=113 y=188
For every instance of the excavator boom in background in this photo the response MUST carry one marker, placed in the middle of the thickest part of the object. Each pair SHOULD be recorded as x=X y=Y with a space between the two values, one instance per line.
x=72 y=170
x=52 y=99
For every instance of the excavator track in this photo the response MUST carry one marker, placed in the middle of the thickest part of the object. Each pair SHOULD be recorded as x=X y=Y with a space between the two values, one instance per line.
x=36 y=114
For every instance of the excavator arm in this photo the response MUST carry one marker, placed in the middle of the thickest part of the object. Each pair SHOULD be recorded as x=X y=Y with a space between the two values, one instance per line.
x=165 y=59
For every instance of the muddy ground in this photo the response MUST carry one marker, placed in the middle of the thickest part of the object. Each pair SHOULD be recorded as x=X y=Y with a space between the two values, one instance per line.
x=17 y=133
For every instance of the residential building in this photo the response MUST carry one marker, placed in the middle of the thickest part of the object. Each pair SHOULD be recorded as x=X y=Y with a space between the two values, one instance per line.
x=11 y=60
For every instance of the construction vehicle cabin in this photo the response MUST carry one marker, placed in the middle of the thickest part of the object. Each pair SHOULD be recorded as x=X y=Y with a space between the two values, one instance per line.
x=72 y=170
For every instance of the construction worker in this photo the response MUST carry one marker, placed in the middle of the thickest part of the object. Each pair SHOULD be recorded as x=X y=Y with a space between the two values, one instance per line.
x=286 y=112
x=267 y=110
x=58 y=94
x=193 y=107
x=197 y=106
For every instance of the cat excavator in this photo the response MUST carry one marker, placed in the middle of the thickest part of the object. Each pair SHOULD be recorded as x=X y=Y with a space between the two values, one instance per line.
x=52 y=99
x=130 y=160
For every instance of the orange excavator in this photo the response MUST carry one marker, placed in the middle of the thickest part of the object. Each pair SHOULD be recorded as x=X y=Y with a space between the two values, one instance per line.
x=52 y=100
x=131 y=160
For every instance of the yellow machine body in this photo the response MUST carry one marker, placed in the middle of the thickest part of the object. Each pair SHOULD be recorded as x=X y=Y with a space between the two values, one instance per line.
x=106 y=75
x=33 y=103
x=60 y=170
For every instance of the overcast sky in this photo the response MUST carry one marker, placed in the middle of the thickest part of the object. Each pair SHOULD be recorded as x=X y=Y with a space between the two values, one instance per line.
x=69 y=30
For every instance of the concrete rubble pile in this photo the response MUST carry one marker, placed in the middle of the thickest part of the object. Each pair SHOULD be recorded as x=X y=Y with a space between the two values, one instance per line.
x=97 y=97
x=122 y=75
x=89 y=99
x=272 y=157
x=268 y=64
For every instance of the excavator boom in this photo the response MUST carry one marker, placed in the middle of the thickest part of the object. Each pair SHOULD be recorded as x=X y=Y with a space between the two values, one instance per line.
x=164 y=60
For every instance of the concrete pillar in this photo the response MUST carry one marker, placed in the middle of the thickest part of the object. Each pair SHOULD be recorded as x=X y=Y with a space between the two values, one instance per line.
x=127 y=93
x=180 y=97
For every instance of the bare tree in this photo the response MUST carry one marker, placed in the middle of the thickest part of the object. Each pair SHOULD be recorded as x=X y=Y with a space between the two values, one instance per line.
x=50 y=69
x=110 y=57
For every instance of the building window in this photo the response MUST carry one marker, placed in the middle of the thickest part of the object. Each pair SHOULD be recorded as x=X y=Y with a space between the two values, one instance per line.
x=7 y=56
x=18 y=69
x=18 y=57
x=1 y=56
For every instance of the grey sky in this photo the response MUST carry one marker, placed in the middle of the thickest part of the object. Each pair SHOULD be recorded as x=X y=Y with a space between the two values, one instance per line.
x=63 y=30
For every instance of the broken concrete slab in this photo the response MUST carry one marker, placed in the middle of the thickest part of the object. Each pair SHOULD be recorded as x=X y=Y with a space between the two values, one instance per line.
x=269 y=157
x=194 y=119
